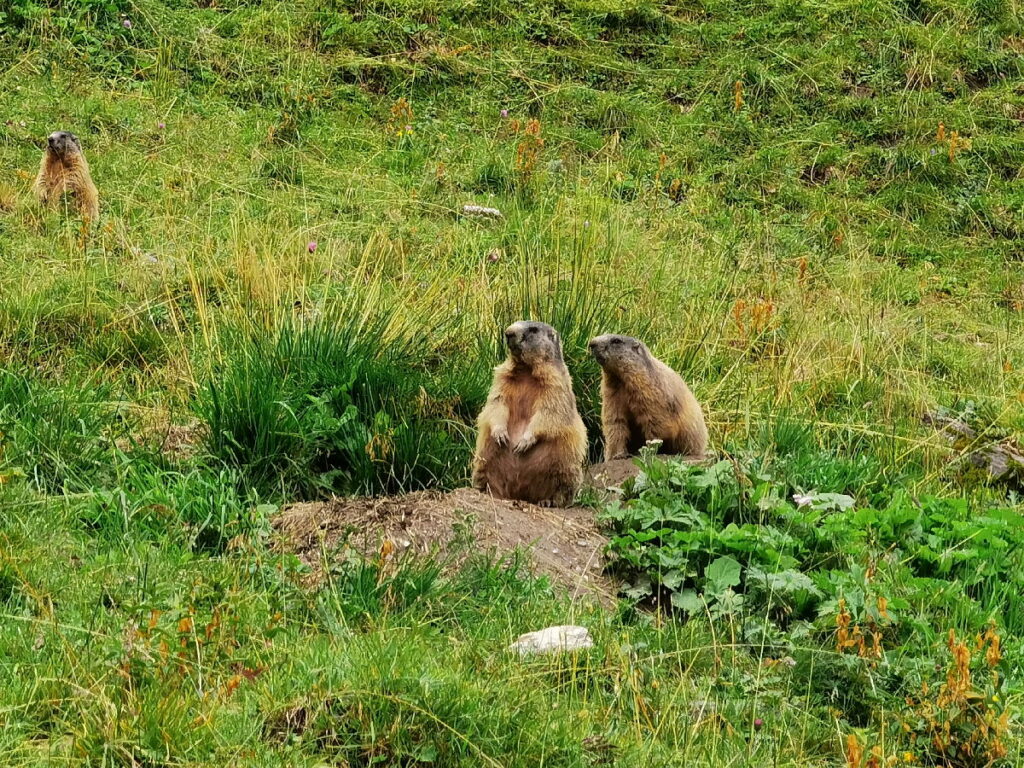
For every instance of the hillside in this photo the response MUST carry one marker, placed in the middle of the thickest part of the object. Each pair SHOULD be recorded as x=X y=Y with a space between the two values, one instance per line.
x=813 y=210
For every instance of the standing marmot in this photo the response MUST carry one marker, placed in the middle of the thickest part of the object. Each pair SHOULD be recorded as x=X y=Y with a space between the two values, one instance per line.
x=643 y=399
x=532 y=442
x=64 y=170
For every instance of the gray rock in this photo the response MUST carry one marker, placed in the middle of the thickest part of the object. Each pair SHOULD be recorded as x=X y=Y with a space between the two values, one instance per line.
x=1002 y=460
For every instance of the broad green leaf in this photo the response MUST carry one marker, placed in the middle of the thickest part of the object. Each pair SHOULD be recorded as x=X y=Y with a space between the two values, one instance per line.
x=686 y=600
x=722 y=574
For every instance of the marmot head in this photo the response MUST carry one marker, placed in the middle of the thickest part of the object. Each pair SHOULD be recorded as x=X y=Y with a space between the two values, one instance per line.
x=63 y=144
x=531 y=343
x=620 y=354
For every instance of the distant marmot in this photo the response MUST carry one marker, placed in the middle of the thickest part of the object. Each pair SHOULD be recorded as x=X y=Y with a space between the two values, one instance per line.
x=532 y=442
x=65 y=170
x=643 y=399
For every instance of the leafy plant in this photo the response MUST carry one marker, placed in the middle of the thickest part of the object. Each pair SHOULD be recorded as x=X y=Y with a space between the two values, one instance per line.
x=682 y=528
x=691 y=533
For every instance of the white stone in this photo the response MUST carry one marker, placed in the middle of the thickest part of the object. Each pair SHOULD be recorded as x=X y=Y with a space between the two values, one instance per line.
x=480 y=210
x=553 y=639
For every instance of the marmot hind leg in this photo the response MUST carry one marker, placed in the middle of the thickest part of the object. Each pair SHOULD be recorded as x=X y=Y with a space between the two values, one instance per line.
x=555 y=484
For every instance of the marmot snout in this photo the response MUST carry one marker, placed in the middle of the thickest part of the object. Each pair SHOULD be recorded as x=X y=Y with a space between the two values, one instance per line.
x=625 y=352
x=62 y=143
x=533 y=343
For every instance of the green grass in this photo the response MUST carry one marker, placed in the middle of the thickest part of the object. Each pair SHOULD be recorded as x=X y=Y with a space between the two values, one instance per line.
x=820 y=263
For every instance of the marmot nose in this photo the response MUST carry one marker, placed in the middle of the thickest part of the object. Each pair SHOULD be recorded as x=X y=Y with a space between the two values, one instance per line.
x=510 y=334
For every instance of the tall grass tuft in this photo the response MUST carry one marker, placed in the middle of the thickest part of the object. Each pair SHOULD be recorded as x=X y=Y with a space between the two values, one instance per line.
x=341 y=404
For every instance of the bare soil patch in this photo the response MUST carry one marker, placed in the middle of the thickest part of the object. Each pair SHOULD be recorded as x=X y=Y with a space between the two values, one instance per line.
x=563 y=543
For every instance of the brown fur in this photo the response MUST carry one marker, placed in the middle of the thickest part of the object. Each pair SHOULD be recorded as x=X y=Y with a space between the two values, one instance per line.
x=531 y=442
x=643 y=399
x=64 y=170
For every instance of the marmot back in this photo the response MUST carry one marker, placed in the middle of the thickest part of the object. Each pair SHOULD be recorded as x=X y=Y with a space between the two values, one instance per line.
x=531 y=442
x=64 y=170
x=643 y=399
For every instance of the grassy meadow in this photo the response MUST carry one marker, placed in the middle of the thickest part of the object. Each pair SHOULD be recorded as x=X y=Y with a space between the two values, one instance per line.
x=813 y=209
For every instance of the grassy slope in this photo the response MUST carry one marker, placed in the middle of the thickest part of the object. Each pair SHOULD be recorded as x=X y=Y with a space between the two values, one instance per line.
x=224 y=139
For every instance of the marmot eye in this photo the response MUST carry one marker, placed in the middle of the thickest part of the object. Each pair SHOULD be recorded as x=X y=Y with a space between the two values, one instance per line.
x=533 y=329
x=616 y=341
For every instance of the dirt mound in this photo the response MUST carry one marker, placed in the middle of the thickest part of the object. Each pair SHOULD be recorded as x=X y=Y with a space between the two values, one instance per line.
x=564 y=544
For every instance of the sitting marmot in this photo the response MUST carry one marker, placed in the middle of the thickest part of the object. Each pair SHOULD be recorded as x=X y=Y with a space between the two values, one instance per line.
x=65 y=171
x=532 y=442
x=643 y=399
